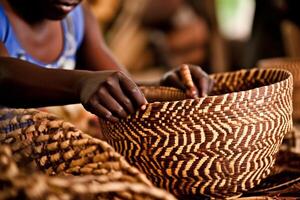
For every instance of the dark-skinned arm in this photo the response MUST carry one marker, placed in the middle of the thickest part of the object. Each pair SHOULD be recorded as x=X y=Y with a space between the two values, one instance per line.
x=23 y=84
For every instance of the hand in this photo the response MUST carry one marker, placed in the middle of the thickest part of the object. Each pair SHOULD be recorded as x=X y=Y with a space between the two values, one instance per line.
x=110 y=94
x=201 y=80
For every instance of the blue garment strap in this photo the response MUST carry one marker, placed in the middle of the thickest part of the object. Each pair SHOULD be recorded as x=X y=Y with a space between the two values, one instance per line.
x=73 y=28
x=4 y=25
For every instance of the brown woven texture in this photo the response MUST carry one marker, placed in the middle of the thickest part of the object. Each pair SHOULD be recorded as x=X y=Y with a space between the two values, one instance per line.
x=292 y=65
x=220 y=145
x=39 y=142
x=284 y=181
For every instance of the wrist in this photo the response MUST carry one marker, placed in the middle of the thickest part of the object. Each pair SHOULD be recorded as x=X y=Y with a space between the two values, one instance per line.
x=81 y=80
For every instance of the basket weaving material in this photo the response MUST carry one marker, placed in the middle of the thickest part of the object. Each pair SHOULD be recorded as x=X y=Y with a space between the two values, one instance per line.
x=292 y=65
x=39 y=142
x=219 y=145
x=284 y=181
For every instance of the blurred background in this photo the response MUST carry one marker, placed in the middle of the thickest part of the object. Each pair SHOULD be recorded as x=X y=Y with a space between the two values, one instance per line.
x=152 y=36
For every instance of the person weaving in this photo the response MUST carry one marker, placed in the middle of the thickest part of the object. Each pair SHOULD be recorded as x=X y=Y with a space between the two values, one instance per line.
x=52 y=53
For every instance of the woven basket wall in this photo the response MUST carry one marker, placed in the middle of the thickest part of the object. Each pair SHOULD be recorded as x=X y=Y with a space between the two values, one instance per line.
x=34 y=145
x=292 y=65
x=219 y=145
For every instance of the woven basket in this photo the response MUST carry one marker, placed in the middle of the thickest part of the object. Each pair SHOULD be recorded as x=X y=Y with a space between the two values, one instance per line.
x=292 y=65
x=219 y=145
x=32 y=142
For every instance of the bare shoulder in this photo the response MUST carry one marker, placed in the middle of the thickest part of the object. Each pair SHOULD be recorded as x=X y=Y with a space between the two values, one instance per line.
x=89 y=18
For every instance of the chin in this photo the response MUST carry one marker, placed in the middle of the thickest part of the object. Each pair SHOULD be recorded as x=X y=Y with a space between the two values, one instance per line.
x=54 y=16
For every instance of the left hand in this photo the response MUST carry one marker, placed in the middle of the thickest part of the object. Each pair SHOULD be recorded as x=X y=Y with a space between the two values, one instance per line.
x=201 y=80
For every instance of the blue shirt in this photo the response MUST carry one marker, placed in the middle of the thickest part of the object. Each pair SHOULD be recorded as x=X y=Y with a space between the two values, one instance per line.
x=73 y=28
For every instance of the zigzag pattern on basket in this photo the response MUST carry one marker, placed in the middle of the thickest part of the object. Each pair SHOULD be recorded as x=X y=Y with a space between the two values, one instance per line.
x=41 y=142
x=217 y=145
x=292 y=65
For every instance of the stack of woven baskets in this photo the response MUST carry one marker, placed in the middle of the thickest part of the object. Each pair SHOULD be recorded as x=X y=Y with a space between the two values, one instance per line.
x=292 y=65
x=220 y=145
x=32 y=142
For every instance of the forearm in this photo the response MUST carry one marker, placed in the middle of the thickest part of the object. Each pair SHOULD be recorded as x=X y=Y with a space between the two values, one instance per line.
x=26 y=85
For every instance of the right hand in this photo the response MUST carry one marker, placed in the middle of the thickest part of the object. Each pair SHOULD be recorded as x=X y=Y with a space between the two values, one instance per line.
x=110 y=95
x=202 y=81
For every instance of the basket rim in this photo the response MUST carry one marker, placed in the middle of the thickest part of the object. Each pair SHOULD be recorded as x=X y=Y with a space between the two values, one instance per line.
x=290 y=77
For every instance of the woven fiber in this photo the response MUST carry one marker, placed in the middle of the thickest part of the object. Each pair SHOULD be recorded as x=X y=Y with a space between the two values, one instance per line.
x=284 y=181
x=292 y=65
x=220 y=145
x=39 y=142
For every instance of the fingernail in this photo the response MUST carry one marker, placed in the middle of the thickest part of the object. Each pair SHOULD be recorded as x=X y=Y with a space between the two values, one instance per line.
x=122 y=113
x=203 y=93
x=143 y=107
x=113 y=120
x=108 y=115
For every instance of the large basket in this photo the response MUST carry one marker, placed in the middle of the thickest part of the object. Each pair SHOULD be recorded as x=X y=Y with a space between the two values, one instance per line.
x=292 y=65
x=32 y=142
x=219 y=145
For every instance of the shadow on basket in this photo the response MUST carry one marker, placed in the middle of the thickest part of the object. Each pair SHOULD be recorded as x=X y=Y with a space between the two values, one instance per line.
x=220 y=145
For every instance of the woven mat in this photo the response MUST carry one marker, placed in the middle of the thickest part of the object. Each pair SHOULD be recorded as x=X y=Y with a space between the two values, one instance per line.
x=43 y=157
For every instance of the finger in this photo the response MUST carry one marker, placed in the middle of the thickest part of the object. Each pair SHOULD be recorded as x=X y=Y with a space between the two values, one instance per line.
x=132 y=91
x=201 y=80
x=99 y=110
x=173 y=80
x=110 y=103
x=203 y=86
x=116 y=92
